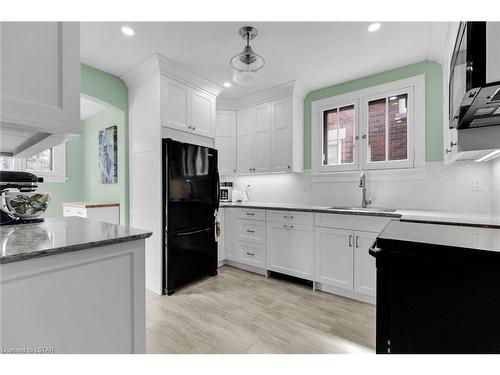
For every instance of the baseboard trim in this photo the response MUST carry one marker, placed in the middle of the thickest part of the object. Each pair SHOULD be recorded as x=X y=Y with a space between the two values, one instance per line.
x=345 y=293
x=246 y=267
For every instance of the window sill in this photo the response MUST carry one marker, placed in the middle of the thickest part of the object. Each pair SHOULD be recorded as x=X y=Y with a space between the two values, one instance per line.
x=372 y=175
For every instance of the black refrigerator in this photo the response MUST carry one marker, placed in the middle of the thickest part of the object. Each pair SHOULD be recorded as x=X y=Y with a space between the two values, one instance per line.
x=190 y=203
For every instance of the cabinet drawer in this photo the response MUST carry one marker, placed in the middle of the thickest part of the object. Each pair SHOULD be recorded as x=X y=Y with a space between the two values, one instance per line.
x=352 y=222
x=290 y=217
x=252 y=214
x=74 y=211
x=251 y=253
x=251 y=230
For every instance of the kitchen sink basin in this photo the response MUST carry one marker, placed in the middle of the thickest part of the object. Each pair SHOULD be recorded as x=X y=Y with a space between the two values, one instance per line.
x=364 y=209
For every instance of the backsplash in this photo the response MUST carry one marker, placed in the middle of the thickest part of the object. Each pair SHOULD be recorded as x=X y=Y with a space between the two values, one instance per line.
x=444 y=188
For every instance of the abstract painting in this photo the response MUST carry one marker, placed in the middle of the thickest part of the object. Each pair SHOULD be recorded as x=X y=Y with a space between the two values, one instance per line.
x=108 y=156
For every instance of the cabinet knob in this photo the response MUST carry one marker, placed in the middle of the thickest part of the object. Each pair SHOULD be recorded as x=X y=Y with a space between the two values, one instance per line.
x=453 y=144
x=288 y=167
x=363 y=136
x=448 y=150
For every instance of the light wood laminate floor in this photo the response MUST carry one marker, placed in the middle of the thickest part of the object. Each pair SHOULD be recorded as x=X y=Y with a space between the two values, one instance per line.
x=241 y=312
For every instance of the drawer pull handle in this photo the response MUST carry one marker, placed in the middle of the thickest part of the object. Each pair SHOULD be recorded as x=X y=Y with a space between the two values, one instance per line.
x=288 y=226
x=350 y=240
x=287 y=217
x=250 y=213
x=357 y=241
x=250 y=254
x=250 y=231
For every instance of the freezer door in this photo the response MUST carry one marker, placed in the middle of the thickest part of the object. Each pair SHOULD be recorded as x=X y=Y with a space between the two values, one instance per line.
x=191 y=255
x=191 y=185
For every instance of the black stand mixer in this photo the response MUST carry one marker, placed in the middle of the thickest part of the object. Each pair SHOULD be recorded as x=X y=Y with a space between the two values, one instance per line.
x=23 y=182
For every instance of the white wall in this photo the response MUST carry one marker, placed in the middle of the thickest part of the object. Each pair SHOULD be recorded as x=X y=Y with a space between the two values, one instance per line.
x=444 y=188
x=495 y=186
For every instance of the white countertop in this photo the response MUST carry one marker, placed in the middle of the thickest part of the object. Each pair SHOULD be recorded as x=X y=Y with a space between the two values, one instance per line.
x=406 y=215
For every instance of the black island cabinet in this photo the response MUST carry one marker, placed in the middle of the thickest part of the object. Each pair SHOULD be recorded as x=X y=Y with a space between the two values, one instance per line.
x=438 y=288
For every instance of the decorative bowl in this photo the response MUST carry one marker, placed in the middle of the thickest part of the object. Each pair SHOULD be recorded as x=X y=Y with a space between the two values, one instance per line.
x=26 y=205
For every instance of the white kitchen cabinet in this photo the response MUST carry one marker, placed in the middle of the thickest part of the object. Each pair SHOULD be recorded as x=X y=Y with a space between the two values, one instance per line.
x=176 y=104
x=225 y=141
x=262 y=139
x=334 y=257
x=186 y=108
x=252 y=254
x=245 y=141
x=365 y=272
x=203 y=113
x=40 y=85
x=281 y=147
x=221 y=243
x=290 y=249
x=229 y=237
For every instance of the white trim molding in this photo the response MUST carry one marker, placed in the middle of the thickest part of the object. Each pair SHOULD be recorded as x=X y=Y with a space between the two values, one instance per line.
x=413 y=168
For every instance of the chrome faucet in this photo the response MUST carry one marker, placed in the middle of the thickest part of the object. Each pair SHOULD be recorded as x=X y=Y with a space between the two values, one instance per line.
x=362 y=184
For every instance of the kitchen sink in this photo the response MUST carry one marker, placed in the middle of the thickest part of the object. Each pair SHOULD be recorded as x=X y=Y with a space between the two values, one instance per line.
x=363 y=209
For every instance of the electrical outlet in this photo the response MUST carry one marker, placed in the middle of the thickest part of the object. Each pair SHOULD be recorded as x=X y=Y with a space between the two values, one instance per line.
x=477 y=185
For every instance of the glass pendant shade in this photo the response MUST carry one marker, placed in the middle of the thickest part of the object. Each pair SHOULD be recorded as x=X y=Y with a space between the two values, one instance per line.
x=247 y=65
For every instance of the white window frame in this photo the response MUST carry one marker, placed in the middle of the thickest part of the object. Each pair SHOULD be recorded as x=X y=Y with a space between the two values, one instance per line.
x=59 y=162
x=336 y=103
x=413 y=168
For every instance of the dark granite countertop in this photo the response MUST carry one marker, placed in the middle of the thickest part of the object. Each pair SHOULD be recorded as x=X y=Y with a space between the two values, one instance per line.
x=308 y=208
x=452 y=236
x=61 y=235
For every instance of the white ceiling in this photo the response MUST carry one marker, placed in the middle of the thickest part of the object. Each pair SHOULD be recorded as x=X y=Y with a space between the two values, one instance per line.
x=89 y=108
x=316 y=54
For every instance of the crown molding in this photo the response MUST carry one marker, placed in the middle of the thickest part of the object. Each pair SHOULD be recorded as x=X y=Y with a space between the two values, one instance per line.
x=160 y=65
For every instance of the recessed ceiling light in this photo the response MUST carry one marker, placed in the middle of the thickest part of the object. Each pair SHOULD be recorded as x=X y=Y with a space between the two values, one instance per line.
x=128 y=31
x=227 y=85
x=374 y=27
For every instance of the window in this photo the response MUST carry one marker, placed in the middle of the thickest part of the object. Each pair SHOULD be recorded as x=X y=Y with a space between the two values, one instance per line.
x=338 y=136
x=49 y=164
x=377 y=128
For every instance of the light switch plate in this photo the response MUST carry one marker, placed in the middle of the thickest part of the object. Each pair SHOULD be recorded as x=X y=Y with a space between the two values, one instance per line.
x=477 y=185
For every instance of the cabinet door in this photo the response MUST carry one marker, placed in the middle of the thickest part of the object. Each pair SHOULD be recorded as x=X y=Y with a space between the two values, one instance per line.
x=40 y=70
x=365 y=272
x=202 y=122
x=225 y=141
x=229 y=237
x=334 y=257
x=290 y=249
x=245 y=140
x=262 y=138
x=221 y=248
x=281 y=135
x=176 y=104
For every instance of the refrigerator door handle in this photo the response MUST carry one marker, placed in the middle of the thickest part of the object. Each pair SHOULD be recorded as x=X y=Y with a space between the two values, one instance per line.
x=193 y=232
x=217 y=190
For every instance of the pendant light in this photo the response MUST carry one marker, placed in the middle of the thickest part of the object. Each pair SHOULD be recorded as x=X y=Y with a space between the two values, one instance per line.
x=247 y=65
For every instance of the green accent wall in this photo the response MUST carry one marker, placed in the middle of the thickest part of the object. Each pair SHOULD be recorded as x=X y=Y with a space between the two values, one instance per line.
x=70 y=190
x=433 y=103
x=82 y=152
x=93 y=190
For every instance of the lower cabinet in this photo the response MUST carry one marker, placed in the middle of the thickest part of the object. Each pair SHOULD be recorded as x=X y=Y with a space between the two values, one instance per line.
x=334 y=257
x=365 y=272
x=342 y=259
x=290 y=249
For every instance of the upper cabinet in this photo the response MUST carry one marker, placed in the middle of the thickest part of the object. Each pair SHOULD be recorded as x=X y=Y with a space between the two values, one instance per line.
x=186 y=108
x=264 y=137
x=40 y=85
x=269 y=131
x=225 y=141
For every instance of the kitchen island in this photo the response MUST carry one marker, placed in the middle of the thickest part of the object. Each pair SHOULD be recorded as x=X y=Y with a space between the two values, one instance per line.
x=437 y=288
x=72 y=285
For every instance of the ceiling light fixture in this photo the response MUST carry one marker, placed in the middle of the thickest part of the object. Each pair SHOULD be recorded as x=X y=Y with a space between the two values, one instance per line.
x=227 y=85
x=128 y=31
x=374 y=27
x=247 y=65
x=489 y=156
